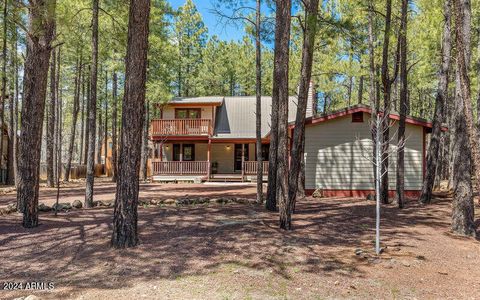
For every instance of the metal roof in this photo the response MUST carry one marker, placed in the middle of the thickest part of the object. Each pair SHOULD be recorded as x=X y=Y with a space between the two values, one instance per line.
x=236 y=117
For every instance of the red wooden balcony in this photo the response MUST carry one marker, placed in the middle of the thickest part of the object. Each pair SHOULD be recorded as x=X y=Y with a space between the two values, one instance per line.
x=180 y=167
x=250 y=167
x=181 y=127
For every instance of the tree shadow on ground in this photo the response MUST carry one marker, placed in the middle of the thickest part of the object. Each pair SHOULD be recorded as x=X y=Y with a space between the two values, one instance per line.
x=73 y=248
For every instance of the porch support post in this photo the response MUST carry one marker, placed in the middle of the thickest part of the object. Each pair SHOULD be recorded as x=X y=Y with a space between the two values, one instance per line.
x=160 y=151
x=243 y=162
x=181 y=158
x=209 y=149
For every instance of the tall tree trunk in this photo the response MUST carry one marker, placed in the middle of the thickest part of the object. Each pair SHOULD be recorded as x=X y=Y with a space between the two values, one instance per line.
x=58 y=143
x=92 y=110
x=258 y=103
x=87 y=126
x=400 y=180
x=280 y=96
x=360 y=90
x=144 y=157
x=301 y=174
x=125 y=214
x=373 y=85
x=15 y=137
x=460 y=31
x=51 y=120
x=114 y=128
x=387 y=82
x=41 y=14
x=463 y=208
x=10 y=180
x=105 y=131
x=440 y=101
x=82 y=123
x=4 y=89
x=271 y=203
x=76 y=107
x=11 y=121
x=98 y=150
x=310 y=31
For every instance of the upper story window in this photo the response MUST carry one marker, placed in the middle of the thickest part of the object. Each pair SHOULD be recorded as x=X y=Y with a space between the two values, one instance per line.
x=188 y=113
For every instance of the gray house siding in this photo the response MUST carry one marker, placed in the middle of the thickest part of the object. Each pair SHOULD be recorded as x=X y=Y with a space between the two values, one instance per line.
x=337 y=155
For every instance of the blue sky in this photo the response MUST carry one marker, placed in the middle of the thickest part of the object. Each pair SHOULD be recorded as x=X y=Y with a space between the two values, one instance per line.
x=226 y=33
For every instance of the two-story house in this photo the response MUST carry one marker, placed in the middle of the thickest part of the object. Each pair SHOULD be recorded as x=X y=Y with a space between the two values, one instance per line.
x=213 y=138
x=210 y=137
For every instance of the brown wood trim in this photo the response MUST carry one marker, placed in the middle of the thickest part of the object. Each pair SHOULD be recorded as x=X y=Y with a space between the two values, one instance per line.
x=180 y=138
x=413 y=194
x=238 y=141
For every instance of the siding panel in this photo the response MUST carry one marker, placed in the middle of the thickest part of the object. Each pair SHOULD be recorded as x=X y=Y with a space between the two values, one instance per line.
x=224 y=157
x=337 y=156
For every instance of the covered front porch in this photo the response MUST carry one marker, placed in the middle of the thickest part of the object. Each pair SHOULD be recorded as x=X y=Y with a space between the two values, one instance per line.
x=207 y=161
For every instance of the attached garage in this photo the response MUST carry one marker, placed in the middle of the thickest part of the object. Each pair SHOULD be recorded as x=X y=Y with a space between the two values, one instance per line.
x=338 y=150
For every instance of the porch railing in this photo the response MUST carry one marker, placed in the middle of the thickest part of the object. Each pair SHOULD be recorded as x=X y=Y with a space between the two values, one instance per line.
x=250 y=167
x=180 y=167
x=181 y=127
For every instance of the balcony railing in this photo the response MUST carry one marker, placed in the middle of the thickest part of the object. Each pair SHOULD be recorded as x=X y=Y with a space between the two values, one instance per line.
x=180 y=167
x=250 y=167
x=182 y=127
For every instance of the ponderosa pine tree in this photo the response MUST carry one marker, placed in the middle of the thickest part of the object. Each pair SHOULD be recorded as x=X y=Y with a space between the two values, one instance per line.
x=11 y=104
x=373 y=83
x=297 y=151
x=125 y=232
x=4 y=82
x=280 y=102
x=92 y=109
x=440 y=102
x=258 y=102
x=400 y=170
x=114 y=126
x=387 y=81
x=463 y=214
x=41 y=27
x=87 y=126
x=105 y=128
x=191 y=35
x=82 y=123
x=464 y=79
x=75 y=111
x=51 y=120
x=144 y=156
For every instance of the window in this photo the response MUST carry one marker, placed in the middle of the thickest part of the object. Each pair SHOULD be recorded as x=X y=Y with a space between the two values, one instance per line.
x=357 y=117
x=185 y=152
x=188 y=113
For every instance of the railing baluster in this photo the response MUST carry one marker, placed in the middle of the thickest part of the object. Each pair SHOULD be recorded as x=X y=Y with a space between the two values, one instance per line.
x=181 y=127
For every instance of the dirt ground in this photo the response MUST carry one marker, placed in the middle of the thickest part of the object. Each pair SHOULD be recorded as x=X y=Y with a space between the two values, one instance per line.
x=236 y=251
x=105 y=190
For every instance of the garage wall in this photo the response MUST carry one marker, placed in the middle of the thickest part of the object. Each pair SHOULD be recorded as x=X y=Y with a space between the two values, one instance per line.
x=337 y=156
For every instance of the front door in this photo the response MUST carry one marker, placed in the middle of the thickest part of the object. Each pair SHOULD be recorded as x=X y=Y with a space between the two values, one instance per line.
x=187 y=152
x=238 y=156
